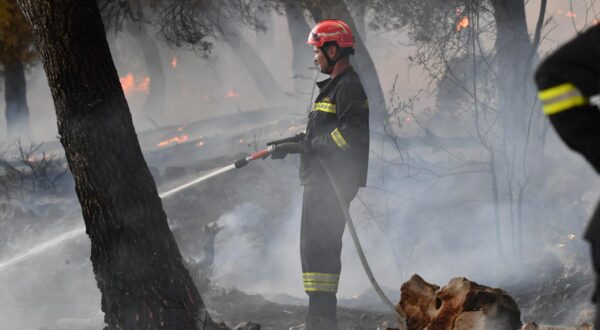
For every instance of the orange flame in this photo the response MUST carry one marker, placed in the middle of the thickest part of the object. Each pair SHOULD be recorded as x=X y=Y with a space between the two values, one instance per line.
x=232 y=94
x=174 y=140
x=128 y=83
x=571 y=14
x=174 y=62
x=462 y=24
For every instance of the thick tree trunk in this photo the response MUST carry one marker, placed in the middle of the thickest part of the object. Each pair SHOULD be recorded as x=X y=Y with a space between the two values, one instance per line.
x=135 y=259
x=155 y=102
x=15 y=95
x=302 y=57
x=363 y=62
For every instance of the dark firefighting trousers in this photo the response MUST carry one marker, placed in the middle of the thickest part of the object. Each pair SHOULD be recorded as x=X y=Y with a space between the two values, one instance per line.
x=323 y=225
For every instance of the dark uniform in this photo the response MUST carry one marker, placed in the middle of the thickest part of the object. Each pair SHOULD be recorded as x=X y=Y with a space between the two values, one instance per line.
x=338 y=135
x=566 y=80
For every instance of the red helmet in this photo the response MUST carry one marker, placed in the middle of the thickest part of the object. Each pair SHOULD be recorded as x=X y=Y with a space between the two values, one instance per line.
x=331 y=30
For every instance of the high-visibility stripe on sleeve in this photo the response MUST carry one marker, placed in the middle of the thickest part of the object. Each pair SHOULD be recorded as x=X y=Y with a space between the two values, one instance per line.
x=339 y=139
x=560 y=98
x=325 y=107
x=320 y=282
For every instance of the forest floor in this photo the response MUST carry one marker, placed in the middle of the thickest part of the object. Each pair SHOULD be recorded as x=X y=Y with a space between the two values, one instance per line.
x=234 y=307
x=555 y=302
x=58 y=292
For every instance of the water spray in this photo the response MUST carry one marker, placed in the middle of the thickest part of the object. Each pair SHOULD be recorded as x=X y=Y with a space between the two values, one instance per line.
x=79 y=231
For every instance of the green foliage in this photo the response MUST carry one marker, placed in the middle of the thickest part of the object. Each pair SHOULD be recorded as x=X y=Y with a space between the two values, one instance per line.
x=16 y=40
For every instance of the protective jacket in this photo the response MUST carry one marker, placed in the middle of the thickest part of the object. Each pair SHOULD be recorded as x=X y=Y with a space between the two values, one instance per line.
x=338 y=132
x=567 y=80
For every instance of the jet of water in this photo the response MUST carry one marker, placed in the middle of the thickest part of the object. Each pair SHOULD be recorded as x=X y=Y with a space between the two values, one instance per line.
x=77 y=232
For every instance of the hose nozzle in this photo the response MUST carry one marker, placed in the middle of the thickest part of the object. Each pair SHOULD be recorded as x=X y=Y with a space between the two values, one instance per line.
x=257 y=155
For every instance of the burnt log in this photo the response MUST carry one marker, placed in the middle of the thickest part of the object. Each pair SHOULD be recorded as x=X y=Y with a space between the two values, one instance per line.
x=460 y=305
x=418 y=302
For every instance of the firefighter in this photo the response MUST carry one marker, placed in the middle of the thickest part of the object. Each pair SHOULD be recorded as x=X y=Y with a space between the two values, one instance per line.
x=336 y=137
x=566 y=80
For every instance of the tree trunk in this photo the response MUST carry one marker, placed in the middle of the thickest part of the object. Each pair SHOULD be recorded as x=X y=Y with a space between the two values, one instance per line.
x=135 y=259
x=521 y=145
x=513 y=46
x=359 y=8
x=265 y=40
x=15 y=94
x=258 y=70
x=302 y=57
x=363 y=62
x=155 y=102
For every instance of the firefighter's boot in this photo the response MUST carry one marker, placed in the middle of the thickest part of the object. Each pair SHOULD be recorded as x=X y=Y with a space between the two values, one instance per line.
x=321 y=311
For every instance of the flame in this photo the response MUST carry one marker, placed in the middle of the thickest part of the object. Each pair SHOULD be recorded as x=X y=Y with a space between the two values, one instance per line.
x=595 y=22
x=144 y=85
x=407 y=119
x=174 y=62
x=179 y=129
x=200 y=144
x=128 y=83
x=462 y=24
x=177 y=140
x=566 y=13
x=241 y=141
x=232 y=94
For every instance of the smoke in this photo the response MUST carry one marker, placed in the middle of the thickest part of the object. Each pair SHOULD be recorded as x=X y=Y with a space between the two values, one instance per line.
x=56 y=288
x=255 y=257
x=439 y=228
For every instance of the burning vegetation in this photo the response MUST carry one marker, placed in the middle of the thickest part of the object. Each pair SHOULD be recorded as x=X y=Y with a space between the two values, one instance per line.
x=132 y=85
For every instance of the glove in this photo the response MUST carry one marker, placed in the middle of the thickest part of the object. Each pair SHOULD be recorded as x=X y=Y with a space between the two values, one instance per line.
x=296 y=138
x=283 y=149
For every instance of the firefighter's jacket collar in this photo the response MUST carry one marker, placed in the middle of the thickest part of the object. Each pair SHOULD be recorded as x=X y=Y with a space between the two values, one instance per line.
x=325 y=83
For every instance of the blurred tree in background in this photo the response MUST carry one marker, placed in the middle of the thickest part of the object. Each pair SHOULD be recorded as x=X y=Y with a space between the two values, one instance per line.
x=16 y=53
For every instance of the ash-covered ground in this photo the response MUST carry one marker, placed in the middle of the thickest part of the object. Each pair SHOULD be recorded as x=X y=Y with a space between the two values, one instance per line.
x=253 y=272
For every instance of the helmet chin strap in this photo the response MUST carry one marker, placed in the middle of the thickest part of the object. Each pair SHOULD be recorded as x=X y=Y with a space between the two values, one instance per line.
x=331 y=62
